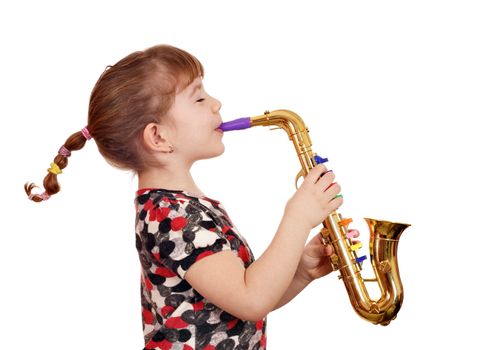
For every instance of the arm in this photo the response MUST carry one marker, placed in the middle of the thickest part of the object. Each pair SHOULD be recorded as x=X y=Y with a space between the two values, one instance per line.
x=314 y=264
x=296 y=286
x=253 y=292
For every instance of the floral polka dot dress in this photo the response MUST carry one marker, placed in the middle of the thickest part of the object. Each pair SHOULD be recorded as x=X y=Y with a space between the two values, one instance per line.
x=173 y=230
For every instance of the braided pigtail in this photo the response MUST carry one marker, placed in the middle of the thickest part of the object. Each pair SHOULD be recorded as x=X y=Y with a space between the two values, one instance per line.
x=51 y=186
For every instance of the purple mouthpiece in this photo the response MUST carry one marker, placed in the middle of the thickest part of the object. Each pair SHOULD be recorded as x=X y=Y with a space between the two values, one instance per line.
x=237 y=124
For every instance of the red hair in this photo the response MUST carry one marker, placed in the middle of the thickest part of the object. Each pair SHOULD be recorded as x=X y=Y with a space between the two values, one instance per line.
x=138 y=90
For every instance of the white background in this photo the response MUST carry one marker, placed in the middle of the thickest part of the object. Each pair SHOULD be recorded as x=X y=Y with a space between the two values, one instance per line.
x=392 y=92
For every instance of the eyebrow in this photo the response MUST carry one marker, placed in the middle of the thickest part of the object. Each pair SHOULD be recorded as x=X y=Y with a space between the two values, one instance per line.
x=198 y=86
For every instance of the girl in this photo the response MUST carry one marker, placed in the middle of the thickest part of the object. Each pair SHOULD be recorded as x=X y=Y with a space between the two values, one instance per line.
x=201 y=287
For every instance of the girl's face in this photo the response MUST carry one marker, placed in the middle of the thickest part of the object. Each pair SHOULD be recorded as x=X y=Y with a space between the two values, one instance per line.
x=195 y=117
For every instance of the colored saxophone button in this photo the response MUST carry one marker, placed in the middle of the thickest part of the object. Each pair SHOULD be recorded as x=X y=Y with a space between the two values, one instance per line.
x=360 y=259
x=320 y=160
x=352 y=234
x=345 y=222
x=356 y=246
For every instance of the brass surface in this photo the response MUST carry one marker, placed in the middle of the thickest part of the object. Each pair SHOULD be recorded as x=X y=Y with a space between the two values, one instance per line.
x=384 y=235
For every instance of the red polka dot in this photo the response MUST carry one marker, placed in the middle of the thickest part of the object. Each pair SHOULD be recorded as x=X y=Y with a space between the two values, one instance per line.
x=204 y=254
x=232 y=323
x=163 y=345
x=166 y=310
x=164 y=272
x=162 y=214
x=178 y=223
x=147 y=315
x=152 y=214
x=148 y=205
x=198 y=306
x=148 y=285
x=243 y=254
x=175 y=322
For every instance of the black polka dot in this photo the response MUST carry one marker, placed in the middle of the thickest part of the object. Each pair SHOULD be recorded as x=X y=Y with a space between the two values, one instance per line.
x=188 y=236
x=184 y=335
x=166 y=248
x=227 y=344
x=165 y=225
x=150 y=241
x=159 y=336
x=156 y=279
x=174 y=300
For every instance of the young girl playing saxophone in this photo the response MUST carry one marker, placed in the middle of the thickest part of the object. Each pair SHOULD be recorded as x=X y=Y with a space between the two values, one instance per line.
x=201 y=287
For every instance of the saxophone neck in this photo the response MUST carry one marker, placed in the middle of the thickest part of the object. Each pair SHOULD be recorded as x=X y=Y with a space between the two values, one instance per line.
x=282 y=118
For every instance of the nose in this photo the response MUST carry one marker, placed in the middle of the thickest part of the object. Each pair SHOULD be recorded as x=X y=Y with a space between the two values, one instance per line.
x=216 y=105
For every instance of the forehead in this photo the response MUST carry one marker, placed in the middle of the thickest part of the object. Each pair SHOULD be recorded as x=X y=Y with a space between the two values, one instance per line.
x=189 y=90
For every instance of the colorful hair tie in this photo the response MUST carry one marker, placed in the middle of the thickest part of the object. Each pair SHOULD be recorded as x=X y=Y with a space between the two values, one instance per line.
x=55 y=169
x=44 y=196
x=64 y=151
x=86 y=133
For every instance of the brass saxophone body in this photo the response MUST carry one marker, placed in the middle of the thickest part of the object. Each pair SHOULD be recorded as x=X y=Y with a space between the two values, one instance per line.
x=384 y=235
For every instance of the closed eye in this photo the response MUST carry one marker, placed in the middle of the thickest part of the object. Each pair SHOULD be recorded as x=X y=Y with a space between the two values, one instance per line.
x=201 y=99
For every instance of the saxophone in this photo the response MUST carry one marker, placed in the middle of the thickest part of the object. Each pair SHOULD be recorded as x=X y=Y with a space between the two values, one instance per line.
x=384 y=235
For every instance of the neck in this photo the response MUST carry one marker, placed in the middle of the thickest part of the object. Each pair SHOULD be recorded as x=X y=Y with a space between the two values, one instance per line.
x=171 y=179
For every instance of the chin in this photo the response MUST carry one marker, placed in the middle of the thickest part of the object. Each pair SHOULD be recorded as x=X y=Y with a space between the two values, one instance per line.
x=222 y=149
x=216 y=152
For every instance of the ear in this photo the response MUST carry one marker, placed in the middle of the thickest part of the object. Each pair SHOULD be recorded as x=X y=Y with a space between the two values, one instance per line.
x=154 y=138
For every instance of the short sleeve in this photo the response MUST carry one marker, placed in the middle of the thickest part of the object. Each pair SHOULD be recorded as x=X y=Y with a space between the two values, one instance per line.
x=184 y=234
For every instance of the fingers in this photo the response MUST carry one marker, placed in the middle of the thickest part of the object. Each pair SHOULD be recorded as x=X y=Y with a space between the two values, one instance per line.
x=315 y=173
x=328 y=250
x=317 y=250
x=326 y=180
x=325 y=248
x=336 y=202
x=323 y=178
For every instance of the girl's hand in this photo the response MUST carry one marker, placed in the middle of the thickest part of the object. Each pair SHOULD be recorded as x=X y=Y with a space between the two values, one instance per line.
x=315 y=199
x=315 y=261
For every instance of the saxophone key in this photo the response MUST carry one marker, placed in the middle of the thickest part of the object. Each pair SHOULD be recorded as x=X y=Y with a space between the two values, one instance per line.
x=334 y=262
x=356 y=246
x=320 y=160
x=344 y=222
x=352 y=235
x=360 y=259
